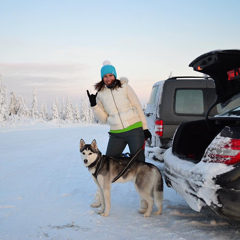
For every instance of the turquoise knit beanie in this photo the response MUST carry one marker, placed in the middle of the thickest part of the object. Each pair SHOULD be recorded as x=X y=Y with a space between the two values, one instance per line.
x=108 y=68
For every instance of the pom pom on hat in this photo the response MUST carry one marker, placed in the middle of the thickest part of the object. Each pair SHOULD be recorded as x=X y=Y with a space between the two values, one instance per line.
x=108 y=68
x=106 y=62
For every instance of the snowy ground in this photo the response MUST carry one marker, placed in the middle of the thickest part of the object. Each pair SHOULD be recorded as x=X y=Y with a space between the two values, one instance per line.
x=45 y=193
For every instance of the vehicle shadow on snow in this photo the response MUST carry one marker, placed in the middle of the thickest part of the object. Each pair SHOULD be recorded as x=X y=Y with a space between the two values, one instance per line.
x=204 y=220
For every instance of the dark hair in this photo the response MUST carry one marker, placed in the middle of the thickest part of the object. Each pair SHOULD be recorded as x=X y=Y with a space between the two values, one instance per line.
x=100 y=85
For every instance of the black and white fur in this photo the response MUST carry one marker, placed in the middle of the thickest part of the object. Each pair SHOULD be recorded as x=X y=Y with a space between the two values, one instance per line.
x=147 y=178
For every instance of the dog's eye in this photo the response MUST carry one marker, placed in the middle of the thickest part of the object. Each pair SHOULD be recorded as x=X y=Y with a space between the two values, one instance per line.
x=83 y=153
x=90 y=154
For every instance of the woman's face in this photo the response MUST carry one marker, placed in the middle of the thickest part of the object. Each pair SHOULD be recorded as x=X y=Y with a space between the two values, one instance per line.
x=108 y=79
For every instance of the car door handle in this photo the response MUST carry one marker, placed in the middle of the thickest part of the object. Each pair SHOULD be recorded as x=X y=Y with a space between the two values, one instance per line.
x=149 y=114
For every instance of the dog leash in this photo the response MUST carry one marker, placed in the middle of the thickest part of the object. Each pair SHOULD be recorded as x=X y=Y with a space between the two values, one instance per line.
x=127 y=166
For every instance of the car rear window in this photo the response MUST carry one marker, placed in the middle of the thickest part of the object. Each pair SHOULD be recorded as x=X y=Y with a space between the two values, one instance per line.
x=189 y=101
x=153 y=95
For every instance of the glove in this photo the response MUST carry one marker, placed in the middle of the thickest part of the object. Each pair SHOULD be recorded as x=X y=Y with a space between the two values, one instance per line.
x=147 y=134
x=92 y=98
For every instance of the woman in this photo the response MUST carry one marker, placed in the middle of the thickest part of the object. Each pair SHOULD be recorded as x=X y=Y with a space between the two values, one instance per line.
x=117 y=104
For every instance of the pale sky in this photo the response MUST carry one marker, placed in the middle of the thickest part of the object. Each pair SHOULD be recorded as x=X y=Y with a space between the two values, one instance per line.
x=59 y=45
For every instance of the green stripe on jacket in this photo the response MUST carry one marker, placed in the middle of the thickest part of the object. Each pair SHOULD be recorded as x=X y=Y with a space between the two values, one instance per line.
x=135 y=125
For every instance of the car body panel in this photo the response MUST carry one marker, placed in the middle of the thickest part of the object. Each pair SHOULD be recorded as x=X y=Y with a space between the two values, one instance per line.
x=194 y=182
x=203 y=164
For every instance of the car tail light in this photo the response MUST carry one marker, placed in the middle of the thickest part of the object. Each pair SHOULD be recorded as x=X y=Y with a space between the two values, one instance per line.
x=233 y=74
x=228 y=153
x=159 y=128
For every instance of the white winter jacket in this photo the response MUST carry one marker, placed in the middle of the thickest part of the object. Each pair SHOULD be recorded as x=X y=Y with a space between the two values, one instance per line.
x=119 y=107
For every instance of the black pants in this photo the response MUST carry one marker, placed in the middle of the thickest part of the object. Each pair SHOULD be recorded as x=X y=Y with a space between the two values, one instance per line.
x=133 y=138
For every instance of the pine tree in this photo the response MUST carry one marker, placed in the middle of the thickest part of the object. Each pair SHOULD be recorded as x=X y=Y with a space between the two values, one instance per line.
x=18 y=107
x=35 y=113
x=76 y=116
x=62 y=111
x=55 y=113
x=3 y=102
x=23 y=110
x=43 y=112
x=14 y=105
x=69 y=111
x=86 y=113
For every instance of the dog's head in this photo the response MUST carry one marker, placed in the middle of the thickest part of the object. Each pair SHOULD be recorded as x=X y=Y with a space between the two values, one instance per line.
x=89 y=152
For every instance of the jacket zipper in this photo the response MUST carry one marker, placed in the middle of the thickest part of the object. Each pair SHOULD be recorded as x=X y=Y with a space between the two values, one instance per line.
x=117 y=108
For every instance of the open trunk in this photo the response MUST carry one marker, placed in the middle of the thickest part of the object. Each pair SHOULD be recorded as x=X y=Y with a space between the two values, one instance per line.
x=192 y=138
x=220 y=64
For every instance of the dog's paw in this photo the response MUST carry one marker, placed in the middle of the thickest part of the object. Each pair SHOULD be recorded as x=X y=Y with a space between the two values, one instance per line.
x=157 y=212
x=142 y=211
x=147 y=215
x=100 y=212
x=104 y=214
x=95 y=205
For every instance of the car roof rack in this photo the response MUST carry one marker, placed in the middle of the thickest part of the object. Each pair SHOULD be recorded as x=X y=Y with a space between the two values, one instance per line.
x=191 y=77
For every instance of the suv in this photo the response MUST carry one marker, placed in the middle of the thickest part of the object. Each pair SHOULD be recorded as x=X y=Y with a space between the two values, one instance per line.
x=173 y=101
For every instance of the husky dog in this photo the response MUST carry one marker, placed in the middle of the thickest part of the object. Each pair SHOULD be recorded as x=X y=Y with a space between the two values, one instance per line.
x=147 y=178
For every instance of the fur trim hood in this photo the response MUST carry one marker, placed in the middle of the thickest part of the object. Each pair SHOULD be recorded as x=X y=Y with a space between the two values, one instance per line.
x=124 y=80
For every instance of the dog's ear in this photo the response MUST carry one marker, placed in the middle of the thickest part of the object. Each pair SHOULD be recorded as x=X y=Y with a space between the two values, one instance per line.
x=82 y=143
x=94 y=144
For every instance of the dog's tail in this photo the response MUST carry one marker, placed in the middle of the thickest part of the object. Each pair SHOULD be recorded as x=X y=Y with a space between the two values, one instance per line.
x=158 y=193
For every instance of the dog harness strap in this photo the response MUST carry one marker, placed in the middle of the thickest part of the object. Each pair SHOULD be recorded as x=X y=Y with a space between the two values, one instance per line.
x=127 y=166
x=99 y=166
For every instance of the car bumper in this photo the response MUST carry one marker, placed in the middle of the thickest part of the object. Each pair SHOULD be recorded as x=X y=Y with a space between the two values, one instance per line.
x=229 y=194
x=214 y=185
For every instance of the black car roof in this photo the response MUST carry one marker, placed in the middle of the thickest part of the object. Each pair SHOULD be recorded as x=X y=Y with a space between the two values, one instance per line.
x=217 y=64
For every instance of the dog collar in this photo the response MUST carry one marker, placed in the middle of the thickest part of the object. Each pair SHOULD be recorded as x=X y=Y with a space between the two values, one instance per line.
x=93 y=164
x=98 y=163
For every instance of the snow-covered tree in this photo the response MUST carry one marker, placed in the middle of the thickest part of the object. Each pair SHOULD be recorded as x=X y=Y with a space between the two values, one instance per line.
x=23 y=110
x=86 y=113
x=17 y=107
x=62 y=110
x=14 y=105
x=69 y=111
x=76 y=114
x=3 y=103
x=55 y=113
x=35 y=113
x=43 y=112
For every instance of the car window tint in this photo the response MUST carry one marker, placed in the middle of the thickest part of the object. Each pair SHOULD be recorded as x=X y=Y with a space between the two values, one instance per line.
x=189 y=101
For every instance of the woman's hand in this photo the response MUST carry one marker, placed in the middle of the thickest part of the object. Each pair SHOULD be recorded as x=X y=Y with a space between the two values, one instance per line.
x=92 y=98
x=147 y=134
